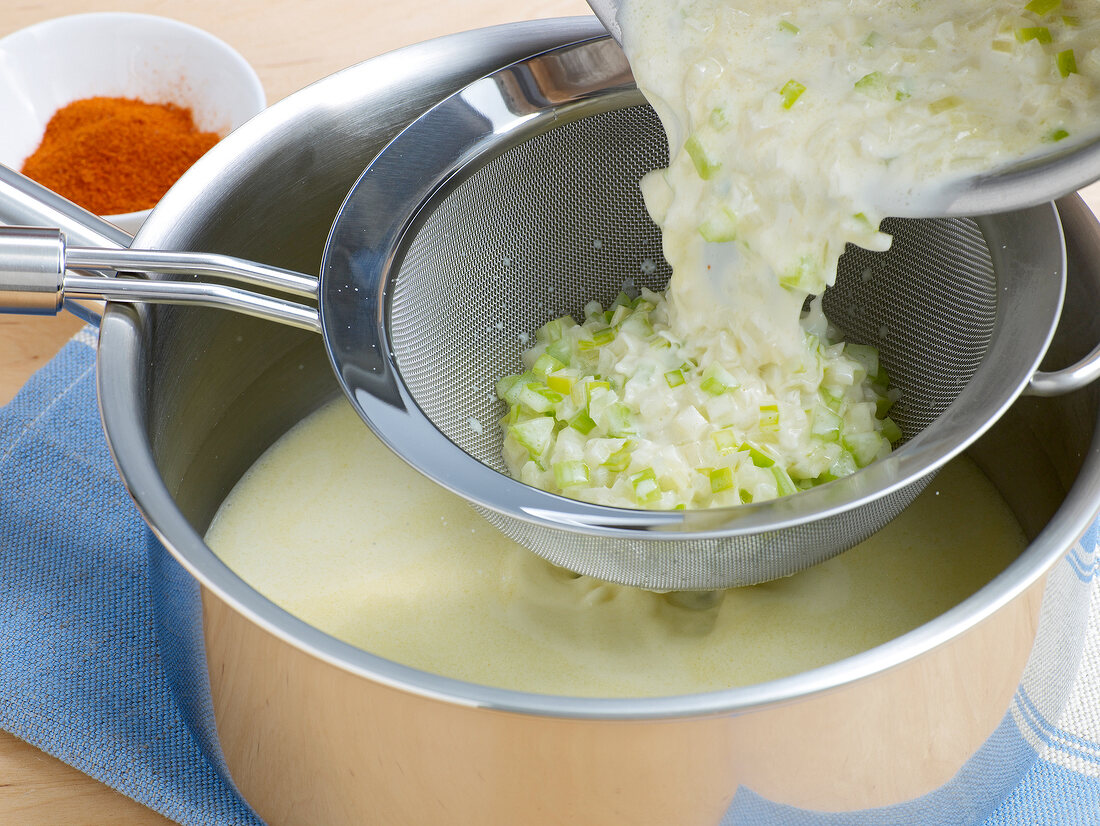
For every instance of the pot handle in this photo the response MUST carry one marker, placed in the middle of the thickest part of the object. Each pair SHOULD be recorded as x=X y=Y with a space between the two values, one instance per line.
x=33 y=278
x=25 y=202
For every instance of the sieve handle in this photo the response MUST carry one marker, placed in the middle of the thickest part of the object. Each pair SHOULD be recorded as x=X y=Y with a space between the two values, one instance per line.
x=33 y=279
x=1066 y=380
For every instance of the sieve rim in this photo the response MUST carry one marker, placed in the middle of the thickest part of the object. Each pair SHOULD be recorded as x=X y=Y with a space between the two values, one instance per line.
x=427 y=161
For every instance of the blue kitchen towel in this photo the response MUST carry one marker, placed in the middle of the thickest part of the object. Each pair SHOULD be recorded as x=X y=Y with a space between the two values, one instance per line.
x=81 y=675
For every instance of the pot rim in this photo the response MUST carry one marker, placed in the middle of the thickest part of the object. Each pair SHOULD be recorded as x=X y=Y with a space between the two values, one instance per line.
x=120 y=380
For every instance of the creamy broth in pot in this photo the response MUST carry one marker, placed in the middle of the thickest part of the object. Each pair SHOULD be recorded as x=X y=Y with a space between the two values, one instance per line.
x=335 y=529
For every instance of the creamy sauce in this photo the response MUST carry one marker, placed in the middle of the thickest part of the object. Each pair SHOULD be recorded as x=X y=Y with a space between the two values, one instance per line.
x=336 y=530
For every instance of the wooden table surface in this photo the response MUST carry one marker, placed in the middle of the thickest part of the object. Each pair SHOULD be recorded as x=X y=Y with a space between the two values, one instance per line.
x=290 y=43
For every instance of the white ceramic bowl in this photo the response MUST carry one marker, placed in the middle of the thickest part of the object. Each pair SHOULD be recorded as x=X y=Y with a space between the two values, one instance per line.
x=53 y=63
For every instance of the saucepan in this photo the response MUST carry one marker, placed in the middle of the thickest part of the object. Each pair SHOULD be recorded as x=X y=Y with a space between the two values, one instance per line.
x=191 y=397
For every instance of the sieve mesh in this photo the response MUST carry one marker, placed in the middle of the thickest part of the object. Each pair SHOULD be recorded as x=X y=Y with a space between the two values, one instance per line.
x=560 y=218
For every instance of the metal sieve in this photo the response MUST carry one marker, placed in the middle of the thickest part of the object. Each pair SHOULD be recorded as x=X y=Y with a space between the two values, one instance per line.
x=516 y=201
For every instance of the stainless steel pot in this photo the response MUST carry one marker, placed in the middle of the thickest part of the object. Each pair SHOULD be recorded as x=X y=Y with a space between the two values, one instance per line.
x=315 y=731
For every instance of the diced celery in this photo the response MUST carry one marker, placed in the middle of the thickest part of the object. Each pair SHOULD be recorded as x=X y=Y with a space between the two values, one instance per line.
x=792 y=90
x=783 y=483
x=883 y=403
x=505 y=386
x=1040 y=33
x=717 y=380
x=550 y=331
x=534 y=434
x=721 y=479
x=561 y=381
x=719 y=227
x=592 y=309
x=1055 y=136
x=845 y=465
x=873 y=85
x=674 y=378
x=746 y=496
x=688 y=366
x=788 y=27
x=567 y=474
x=725 y=440
x=620 y=420
x=621 y=300
x=545 y=364
x=620 y=459
x=1042 y=7
x=864 y=447
x=705 y=165
x=645 y=484
x=865 y=354
x=1071 y=21
x=769 y=417
x=891 y=430
x=758 y=456
x=582 y=422
x=562 y=350
x=1067 y=63
x=593 y=386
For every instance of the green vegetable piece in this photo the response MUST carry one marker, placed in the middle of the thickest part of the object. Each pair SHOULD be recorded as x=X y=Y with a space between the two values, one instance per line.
x=1040 y=33
x=872 y=40
x=1067 y=63
x=645 y=484
x=550 y=331
x=769 y=417
x=864 y=447
x=721 y=479
x=1055 y=136
x=891 y=430
x=705 y=165
x=788 y=26
x=717 y=380
x=1071 y=21
x=1002 y=46
x=873 y=85
x=674 y=378
x=568 y=474
x=620 y=459
x=591 y=386
x=792 y=90
x=1042 y=7
x=620 y=420
x=725 y=440
x=534 y=434
x=599 y=339
x=546 y=364
x=582 y=422
x=561 y=382
x=758 y=456
x=505 y=386
x=562 y=350
x=783 y=483
x=826 y=424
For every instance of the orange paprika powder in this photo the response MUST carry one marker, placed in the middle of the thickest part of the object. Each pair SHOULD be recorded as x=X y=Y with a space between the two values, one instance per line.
x=116 y=155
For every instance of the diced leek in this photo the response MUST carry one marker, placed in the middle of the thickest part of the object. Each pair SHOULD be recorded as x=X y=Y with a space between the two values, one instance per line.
x=721 y=479
x=620 y=459
x=769 y=417
x=505 y=387
x=705 y=165
x=1067 y=63
x=804 y=275
x=725 y=440
x=717 y=380
x=1002 y=46
x=872 y=85
x=865 y=354
x=645 y=485
x=550 y=331
x=561 y=381
x=1071 y=21
x=944 y=103
x=1042 y=7
x=599 y=339
x=792 y=90
x=890 y=430
x=620 y=420
x=567 y=474
x=757 y=455
x=845 y=465
x=593 y=386
x=873 y=40
x=864 y=446
x=788 y=27
x=674 y=378
x=719 y=119
x=534 y=434
x=746 y=496
x=719 y=227
x=783 y=483
x=538 y=397
x=621 y=300
x=1040 y=33
x=582 y=422
x=562 y=350
x=545 y=364
x=1055 y=136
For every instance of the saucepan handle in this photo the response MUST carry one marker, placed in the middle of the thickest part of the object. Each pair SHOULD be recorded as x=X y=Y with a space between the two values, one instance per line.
x=34 y=278
x=1082 y=234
